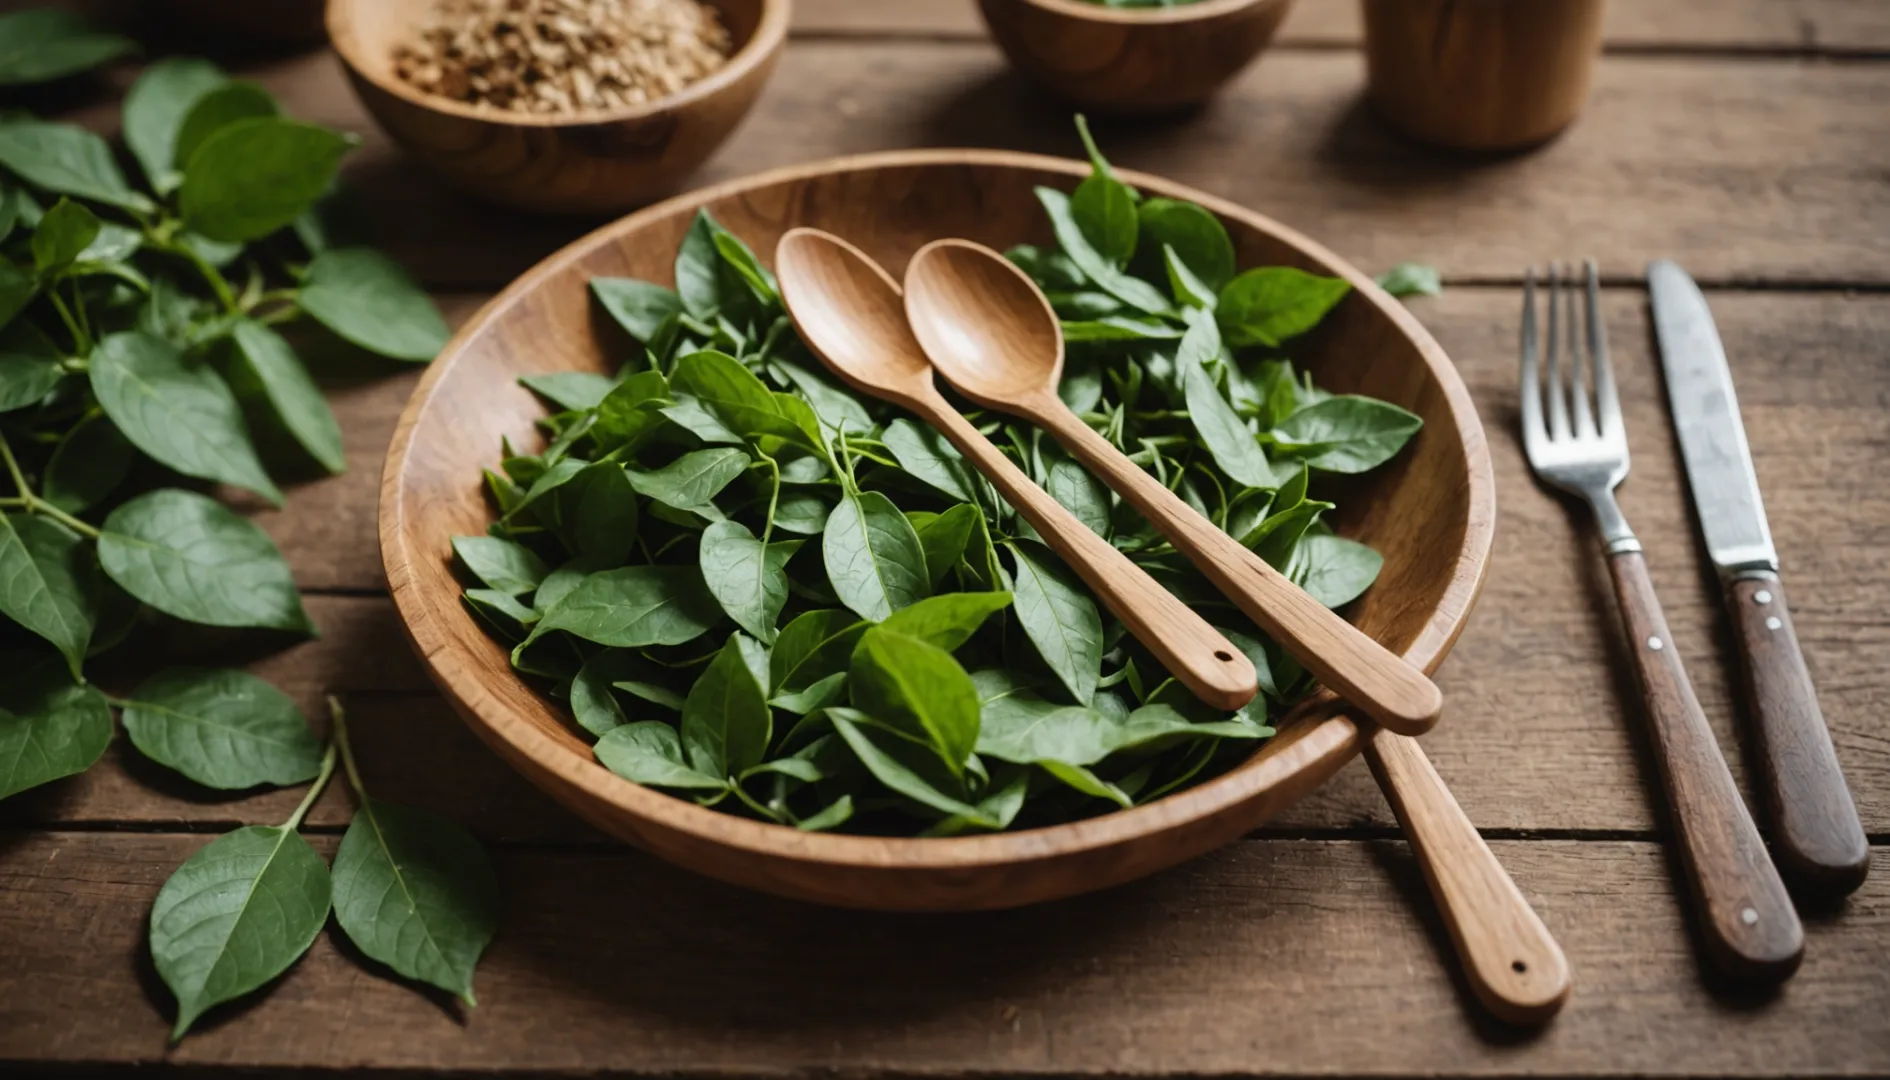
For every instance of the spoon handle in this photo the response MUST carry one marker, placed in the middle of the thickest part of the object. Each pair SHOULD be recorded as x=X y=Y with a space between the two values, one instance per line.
x=1194 y=652
x=1357 y=668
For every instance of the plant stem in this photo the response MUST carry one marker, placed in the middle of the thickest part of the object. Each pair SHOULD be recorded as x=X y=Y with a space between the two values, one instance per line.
x=81 y=343
x=218 y=284
x=13 y=503
x=38 y=505
x=340 y=736
x=314 y=790
x=13 y=470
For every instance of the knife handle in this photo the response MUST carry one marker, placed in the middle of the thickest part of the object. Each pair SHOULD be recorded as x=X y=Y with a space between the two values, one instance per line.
x=1815 y=827
x=1747 y=920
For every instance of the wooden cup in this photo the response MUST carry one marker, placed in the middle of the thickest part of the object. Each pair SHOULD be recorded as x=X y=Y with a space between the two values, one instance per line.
x=1481 y=74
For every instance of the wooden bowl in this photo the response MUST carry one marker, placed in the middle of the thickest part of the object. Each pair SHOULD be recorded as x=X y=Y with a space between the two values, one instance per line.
x=592 y=162
x=286 y=22
x=1133 y=60
x=1430 y=512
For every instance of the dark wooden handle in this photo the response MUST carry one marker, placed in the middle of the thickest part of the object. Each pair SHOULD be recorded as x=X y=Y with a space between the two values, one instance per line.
x=1747 y=919
x=1816 y=833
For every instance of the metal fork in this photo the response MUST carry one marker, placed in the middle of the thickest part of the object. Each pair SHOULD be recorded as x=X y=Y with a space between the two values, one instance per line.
x=1748 y=924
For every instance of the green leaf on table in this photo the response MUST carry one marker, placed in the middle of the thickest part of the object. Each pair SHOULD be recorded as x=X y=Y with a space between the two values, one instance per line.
x=1333 y=570
x=297 y=402
x=48 y=584
x=948 y=621
x=43 y=44
x=640 y=307
x=223 y=728
x=367 y=299
x=1229 y=441
x=1059 y=617
x=925 y=455
x=748 y=578
x=87 y=466
x=227 y=103
x=918 y=690
x=190 y=556
x=813 y=646
x=634 y=607
x=49 y=731
x=1132 y=291
x=177 y=411
x=726 y=722
x=1104 y=207
x=63 y=234
x=906 y=767
x=508 y=567
x=650 y=752
x=416 y=892
x=1411 y=279
x=67 y=160
x=154 y=113
x=235 y=915
x=1194 y=234
x=945 y=538
x=1270 y=304
x=255 y=176
x=693 y=479
x=873 y=556
x=1346 y=434
x=574 y=390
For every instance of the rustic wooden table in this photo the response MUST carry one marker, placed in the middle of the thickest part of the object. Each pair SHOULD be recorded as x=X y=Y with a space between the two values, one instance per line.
x=1745 y=138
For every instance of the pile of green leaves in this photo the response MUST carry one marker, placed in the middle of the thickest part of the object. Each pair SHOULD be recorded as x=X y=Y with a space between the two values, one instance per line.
x=143 y=358
x=765 y=593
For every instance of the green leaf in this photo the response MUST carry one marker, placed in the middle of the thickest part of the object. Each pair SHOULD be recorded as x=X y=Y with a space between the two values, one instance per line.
x=801 y=512
x=1346 y=434
x=1196 y=236
x=748 y=578
x=48 y=584
x=189 y=556
x=416 y=892
x=726 y=723
x=510 y=568
x=1104 y=207
x=628 y=415
x=834 y=815
x=640 y=307
x=946 y=622
x=502 y=612
x=291 y=392
x=704 y=282
x=926 y=455
x=734 y=395
x=918 y=690
x=1280 y=533
x=1411 y=279
x=903 y=766
x=1333 y=570
x=218 y=108
x=634 y=607
x=155 y=109
x=236 y=915
x=873 y=556
x=836 y=407
x=224 y=729
x=29 y=361
x=814 y=646
x=66 y=231
x=1270 y=304
x=87 y=465
x=48 y=731
x=945 y=538
x=651 y=753
x=17 y=289
x=1060 y=619
x=67 y=160
x=595 y=512
x=1119 y=328
x=177 y=411
x=574 y=390
x=367 y=299
x=593 y=698
x=255 y=176
x=1228 y=440
x=739 y=258
x=1077 y=491
x=818 y=695
x=44 y=44
x=693 y=479
x=1130 y=290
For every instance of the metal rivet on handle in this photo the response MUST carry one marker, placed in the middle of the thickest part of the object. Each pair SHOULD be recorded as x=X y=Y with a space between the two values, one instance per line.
x=1750 y=917
x=1772 y=622
x=1656 y=644
x=1763 y=596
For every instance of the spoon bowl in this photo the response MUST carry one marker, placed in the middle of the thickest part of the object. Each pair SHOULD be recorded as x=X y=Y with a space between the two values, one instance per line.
x=834 y=292
x=984 y=323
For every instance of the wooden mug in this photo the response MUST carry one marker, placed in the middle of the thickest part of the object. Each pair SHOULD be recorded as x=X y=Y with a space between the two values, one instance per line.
x=1481 y=74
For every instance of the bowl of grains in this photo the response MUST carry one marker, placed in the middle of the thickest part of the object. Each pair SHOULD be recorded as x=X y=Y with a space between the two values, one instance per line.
x=560 y=106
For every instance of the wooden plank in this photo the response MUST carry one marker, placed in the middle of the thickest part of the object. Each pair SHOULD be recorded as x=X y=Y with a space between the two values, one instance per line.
x=1268 y=958
x=1743 y=25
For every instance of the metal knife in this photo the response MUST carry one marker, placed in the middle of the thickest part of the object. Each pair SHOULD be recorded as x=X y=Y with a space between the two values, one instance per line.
x=1816 y=830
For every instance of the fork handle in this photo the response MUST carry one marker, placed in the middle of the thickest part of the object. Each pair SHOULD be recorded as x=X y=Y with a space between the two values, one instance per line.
x=1748 y=923
x=1815 y=827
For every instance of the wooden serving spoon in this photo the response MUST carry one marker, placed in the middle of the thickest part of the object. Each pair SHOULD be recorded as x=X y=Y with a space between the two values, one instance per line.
x=848 y=311
x=991 y=332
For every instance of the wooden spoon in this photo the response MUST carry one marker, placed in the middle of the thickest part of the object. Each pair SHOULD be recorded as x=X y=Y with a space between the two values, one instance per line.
x=992 y=334
x=848 y=311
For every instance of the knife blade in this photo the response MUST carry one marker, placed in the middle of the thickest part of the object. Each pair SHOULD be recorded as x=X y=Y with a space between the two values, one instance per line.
x=1706 y=417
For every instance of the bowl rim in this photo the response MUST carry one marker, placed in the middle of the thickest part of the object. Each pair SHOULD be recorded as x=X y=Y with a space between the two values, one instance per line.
x=1319 y=726
x=769 y=34
x=1169 y=16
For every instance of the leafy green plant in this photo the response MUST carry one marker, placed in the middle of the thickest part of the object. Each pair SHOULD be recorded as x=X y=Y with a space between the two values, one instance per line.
x=766 y=594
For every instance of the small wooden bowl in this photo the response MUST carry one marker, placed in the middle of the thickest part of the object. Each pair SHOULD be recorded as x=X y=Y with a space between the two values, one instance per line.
x=1430 y=512
x=596 y=162
x=286 y=22
x=1133 y=60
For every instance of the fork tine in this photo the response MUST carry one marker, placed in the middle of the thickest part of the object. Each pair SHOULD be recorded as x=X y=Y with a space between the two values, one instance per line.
x=1553 y=382
x=1607 y=400
x=1533 y=433
x=1577 y=363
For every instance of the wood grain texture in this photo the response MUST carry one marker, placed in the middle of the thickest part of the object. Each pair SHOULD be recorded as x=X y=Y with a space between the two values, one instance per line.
x=1512 y=962
x=1266 y=959
x=890 y=205
x=1748 y=924
x=591 y=162
x=1481 y=74
x=1134 y=61
x=1815 y=832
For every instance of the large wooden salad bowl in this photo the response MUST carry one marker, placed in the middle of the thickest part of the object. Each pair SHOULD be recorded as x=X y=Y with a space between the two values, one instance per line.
x=1430 y=512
